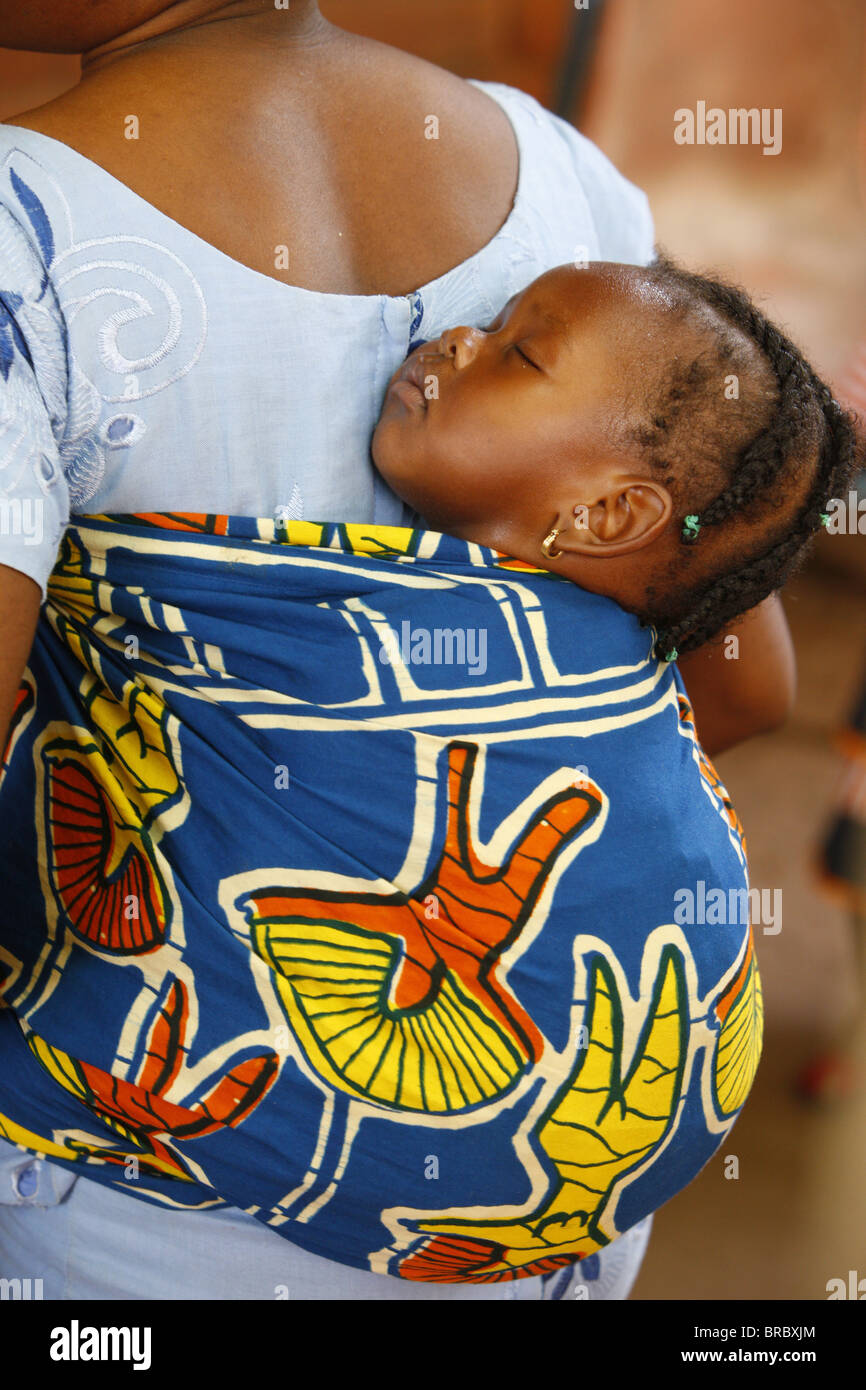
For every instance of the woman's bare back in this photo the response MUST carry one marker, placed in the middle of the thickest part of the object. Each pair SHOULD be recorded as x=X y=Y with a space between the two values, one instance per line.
x=253 y=143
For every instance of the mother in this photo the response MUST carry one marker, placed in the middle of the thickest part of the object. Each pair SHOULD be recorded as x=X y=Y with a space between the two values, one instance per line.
x=210 y=254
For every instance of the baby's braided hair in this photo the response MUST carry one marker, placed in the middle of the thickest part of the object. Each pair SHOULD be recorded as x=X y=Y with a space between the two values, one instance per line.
x=761 y=471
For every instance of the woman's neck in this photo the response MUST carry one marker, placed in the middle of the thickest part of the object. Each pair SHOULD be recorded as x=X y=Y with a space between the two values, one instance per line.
x=300 y=22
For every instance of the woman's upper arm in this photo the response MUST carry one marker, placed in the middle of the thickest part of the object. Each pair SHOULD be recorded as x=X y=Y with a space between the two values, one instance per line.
x=34 y=494
x=745 y=684
x=20 y=598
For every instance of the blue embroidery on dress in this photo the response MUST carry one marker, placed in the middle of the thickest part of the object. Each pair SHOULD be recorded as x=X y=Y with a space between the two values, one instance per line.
x=38 y=218
x=563 y=1278
x=418 y=308
x=119 y=428
x=10 y=334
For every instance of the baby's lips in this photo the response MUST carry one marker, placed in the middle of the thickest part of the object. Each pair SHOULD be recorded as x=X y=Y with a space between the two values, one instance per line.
x=422 y=369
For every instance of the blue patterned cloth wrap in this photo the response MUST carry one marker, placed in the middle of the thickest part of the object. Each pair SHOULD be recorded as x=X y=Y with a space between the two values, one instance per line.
x=344 y=879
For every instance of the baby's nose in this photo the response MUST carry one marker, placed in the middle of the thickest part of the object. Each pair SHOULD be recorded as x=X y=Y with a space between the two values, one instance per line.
x=461 y=344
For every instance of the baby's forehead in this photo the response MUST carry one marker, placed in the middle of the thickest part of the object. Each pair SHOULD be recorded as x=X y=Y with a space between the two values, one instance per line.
x=603 y=286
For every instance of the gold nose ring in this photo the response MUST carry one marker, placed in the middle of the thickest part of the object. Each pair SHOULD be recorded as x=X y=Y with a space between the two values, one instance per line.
x=548 y=542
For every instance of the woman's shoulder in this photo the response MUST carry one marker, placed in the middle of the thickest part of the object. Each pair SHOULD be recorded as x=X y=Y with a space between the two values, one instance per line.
x=565 y=176
x=64 y=120
x=37 y=149
x=415 y=129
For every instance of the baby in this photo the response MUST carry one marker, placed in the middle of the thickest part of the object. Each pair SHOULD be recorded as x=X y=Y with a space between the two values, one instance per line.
x=645 y=432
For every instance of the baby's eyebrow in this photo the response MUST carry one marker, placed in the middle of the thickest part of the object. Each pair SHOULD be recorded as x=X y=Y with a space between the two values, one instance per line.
x=553 y=319
x=548 y=316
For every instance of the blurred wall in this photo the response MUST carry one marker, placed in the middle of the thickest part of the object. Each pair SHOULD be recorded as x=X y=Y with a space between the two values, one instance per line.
x=793 y=225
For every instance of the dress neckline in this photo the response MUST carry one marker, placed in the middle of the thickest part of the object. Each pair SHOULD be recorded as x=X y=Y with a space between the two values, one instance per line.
x=507 y=226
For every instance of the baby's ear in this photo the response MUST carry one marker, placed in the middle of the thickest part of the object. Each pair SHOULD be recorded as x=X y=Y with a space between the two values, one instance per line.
x=631 y=515
x=649 y=508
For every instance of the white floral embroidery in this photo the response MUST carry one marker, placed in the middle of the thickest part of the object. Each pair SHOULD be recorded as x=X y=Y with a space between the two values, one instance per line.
x=293 y=510
x=147 y=344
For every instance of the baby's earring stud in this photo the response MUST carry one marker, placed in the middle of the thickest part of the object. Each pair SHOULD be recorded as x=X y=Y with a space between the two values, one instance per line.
x=548 y=542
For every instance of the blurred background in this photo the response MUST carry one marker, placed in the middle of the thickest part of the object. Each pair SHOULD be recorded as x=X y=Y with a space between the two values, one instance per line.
x=792 y=229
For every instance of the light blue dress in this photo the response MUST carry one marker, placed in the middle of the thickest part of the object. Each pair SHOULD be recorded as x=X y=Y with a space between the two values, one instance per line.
x=141 y=369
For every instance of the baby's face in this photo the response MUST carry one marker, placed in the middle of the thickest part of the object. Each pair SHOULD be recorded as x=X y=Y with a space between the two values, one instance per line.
x=486 y=425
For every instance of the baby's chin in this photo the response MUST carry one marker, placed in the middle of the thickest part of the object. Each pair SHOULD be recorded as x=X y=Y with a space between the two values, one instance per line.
x=420 y=477
x=396 y=460
x=404 y=477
